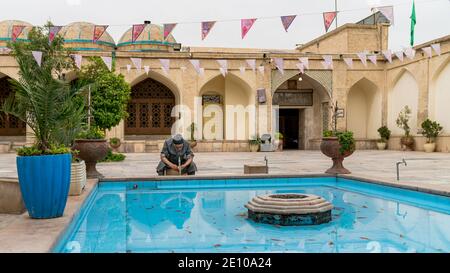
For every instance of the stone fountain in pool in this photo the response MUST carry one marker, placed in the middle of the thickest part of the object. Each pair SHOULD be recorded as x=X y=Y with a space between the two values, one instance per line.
x=289 y=209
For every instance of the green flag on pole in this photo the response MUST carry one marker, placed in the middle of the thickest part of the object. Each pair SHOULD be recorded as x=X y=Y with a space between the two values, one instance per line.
x=413 y=23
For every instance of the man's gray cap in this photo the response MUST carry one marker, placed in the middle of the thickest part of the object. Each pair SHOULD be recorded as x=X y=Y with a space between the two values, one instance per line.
x=177 y=139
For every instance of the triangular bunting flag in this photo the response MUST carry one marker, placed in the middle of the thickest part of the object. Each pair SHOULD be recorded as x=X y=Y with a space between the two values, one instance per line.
x=223 y=71
x=52 y=32
x=128 y=68
x=261 y=69
x=328 y=18
x=388 y=55
x=165 y=65
x=202 y=72
x=301 y=67
x=349 y=62
x=146 y=69
x=304 y=61
x=242 y=69
x=363 y=57
x=427 y=51
x=287 y=21
x=136 y=31
x=246 y=25
x=387 y=11
x=77 y=59
x=196 y=65
x=108 y=62
x=16 y=31
x=328 y=61
x=252 y=64
x=224 y=66
x=98 y=32
x=137 y=62
x=37 y=55
x=373 y=59
x=168 y=29
x=279 y=63
x=399 y=55
x=206 y=28
x=436 y=48
x=409 y=52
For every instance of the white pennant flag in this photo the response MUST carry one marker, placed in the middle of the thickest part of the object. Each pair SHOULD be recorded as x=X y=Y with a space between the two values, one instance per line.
x=349 y=62
x=301 y=67
x=279 y=63
x=373 y=59
x=137 y=63
x=37 y=56
x=328 y=61
x=108 y=62
x=388 y=55
x=363 y=57
x=437 y=48
x=304 y=61
x=196 y=65
x=224 y=66
x=427 y=51
x=242 y=69
x=409 y=52
x=252 y=64
x=165 y=65
x=261 y=69
x=387 y=11
x=223 y=71
x=146 y=69
x=202 y=71
x=77 y=59
x=128 y=68
x=399 y=55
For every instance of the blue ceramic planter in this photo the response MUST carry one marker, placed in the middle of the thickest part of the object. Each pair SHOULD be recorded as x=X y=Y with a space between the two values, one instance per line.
x=44 y=182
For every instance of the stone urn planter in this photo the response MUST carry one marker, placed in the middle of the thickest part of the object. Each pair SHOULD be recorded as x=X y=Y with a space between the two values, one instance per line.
x=115 y=143
x=429 y=147
x=254 y=147
x=77 y=178
x=330 y=147
x=91 y=151
x=381 y=145
x=407 y=143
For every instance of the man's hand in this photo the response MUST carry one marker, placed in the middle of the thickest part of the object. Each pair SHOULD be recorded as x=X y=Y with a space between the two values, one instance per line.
x=174 y=167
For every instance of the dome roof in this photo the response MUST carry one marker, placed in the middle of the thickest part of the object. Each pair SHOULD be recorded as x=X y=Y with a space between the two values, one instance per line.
x=6 y=31
x=79 y=36
x=151 y=39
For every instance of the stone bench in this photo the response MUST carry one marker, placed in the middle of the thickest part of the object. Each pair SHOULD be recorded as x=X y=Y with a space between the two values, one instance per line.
x=10 y=197
x=256 y=169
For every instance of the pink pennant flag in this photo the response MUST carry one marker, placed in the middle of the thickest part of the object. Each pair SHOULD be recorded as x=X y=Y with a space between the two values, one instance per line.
x=168 y=29
x=304 y=61
x=52 y=32
x=287 y=21
x=301 y=67
x=128 y=68
x=252 y=64
x=409 y=52
x=261 y=69
x=436 y=48
x=246 y=25
x=363 y=57
x=373 y=59
x=202 y=72
x=137 y=62
x=37 y=55
x=5 y=50
x=427 y=51
x=387 y=11
x=388 y=55
x=206 y=28
x=165 y=65
x=349 y=62
x=136 y=31
x=242 y=69
x=196 y=65
x=224 y=66
x=146 y=69
x=328 y=61
x=399 y=55
x=108 y=62
x=279 y=63
x=77 y=59
x=16 y=31
x=328 y=18
x=98 y=32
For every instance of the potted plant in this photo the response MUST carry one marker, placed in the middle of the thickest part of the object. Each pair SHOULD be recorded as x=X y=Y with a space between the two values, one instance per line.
x=385 y=134
x=192 y=141
x=279 y=141
x=254 y=144
x=430 y=130
x=46 y=103
x=92 y=147
x=337 y=146
x=406 y=141
x=115 y=143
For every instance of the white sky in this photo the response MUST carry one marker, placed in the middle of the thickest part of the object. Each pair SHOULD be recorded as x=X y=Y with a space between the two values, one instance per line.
x=432 y=18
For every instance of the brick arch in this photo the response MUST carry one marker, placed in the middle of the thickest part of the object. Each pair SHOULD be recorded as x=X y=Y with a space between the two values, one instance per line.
x=323 y=77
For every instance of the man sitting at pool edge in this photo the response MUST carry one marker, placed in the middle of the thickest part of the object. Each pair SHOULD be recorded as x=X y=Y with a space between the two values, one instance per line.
x=178 y=156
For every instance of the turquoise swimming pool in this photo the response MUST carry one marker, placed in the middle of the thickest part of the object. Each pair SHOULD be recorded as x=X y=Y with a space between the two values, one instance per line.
x=209 y=216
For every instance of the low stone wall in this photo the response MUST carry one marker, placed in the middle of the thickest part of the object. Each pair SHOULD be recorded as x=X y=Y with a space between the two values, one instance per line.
x=442 y=143
x=10 y=197
x=222 y=146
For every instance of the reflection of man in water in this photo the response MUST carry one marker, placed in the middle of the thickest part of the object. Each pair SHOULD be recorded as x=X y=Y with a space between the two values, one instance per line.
x=178 y=156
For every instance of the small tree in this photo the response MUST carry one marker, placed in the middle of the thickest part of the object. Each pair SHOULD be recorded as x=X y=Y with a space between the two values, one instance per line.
x=403 y=119
x=431 y=129
x=385 y=133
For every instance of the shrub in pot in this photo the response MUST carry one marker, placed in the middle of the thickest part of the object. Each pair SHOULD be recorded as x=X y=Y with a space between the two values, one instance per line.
x=406 y=141
x=254 y=144
x=279 y=141
x=337 y=146
x=430 y=130
x=385 y=134
x=114 y=143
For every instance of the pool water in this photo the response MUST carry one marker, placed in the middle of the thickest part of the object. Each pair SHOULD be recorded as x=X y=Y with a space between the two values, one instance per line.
x=209 y=216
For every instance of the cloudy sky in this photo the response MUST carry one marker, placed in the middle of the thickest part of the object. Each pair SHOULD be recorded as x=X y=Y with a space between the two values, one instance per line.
x=432 y=18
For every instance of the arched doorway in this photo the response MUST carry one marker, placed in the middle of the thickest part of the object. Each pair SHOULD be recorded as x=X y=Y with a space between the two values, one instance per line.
x=150 y=109
x=440 y=97
x=9 y=125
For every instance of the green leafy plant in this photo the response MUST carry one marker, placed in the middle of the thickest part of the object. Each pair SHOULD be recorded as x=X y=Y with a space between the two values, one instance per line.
x=192 y=129
x=328 y=133
x=42 y=98
x=279 y=136
x=385 y=133
x=346 y=141
x=256 y=140
x=35 y=151
x=431 y=129
x=403 y=119
x=114 y=141
x=93 y=132
x=113 y=157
